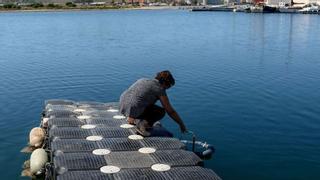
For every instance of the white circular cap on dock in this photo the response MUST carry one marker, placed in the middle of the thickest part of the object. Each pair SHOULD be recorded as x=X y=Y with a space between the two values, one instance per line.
x=135 y=137
x=45 y=120
x=126 y=126
x=101 y=151
x=113 y=110
x=88 y=126
x=83 y=117
x=160 y=167
x=147 y=150
x=109 y=169
x=94 y=138
x=79 y=110
x=119 y=117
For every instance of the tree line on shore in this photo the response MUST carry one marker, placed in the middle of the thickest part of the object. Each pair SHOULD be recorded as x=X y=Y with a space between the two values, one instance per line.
x=84 y=4
x=37 y=5
x=79 y=4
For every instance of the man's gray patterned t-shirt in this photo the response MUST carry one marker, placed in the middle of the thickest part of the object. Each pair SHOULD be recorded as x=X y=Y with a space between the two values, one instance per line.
x=142 y=93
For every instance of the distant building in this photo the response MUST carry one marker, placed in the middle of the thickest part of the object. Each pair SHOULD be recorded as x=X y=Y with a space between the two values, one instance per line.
x=215 y=2
x=231 y=1
x=314 y=1
x=306 y=1
x=257 y=1
x=278 y=2
x=132 y=1
x=8 y=1
x=247 y=1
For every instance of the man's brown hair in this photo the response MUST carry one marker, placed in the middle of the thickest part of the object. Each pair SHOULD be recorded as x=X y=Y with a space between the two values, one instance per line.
x=166 y=78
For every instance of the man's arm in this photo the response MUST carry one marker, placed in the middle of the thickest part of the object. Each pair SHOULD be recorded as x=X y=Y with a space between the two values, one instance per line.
x=172 y=113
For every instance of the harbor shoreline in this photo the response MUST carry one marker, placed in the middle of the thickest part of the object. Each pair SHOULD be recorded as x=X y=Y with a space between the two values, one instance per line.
x=90 y=9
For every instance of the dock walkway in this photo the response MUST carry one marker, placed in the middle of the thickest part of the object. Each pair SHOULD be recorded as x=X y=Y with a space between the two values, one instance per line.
x=90 y=140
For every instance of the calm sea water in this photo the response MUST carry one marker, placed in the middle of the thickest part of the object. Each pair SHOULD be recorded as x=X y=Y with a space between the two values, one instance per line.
x=247 y=83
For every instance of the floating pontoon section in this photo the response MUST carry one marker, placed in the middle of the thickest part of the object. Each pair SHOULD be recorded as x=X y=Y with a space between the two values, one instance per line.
x=75 y=122
x=80 y=133
x=175 y=173
x=115 y=144
x=92 y=141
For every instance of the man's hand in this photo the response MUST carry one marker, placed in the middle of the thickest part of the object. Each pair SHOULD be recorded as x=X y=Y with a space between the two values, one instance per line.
x=172 y=113
x=183 y=129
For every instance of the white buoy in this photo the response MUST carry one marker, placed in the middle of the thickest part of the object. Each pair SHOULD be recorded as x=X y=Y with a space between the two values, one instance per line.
x=83 y=117
x=113 y=110
x=94 y=138
x=135 y=137
x=147 y=150
x=109 y=169
x=38 y=159
x=119 y=117
x=160 y=167
x=101 y=152
x=36 y=137
x=88 y=126
x=126 y=126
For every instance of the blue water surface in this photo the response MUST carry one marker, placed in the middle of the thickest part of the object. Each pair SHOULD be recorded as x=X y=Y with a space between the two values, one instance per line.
x=247 y=83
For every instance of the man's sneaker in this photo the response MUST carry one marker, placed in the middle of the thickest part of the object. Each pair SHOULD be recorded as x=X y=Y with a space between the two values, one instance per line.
x=141 y=128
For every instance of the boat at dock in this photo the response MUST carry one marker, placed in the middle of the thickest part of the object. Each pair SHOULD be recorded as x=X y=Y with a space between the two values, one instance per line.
x=262 y=8
x=242 y=8
x=213 y=8
x=311 y=8
x=289 y=9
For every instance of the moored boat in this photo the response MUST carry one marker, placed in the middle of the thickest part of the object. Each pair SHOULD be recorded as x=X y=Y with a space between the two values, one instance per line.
x=312 y=8
x=289 y=9
x=262 y=8
x=241 y=8
x=213 y=8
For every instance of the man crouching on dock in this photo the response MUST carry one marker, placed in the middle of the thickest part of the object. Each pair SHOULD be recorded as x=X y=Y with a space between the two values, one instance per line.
x=138 y=102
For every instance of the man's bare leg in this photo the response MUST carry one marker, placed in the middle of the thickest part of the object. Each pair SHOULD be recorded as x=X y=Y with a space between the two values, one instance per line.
x=131 y=120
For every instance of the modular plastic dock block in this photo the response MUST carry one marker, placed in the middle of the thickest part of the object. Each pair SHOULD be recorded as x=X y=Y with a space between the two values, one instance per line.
x=75 y=122
x=50 y=107
x=78 y=133
x=58 y=102
x=81 y=145
x=61 y=113
x=175 y=173
x=162 y=143
x=125 y=159
x=115 y=144
x=65 y=122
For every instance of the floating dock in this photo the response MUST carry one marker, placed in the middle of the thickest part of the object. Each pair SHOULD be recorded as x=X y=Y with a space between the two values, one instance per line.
x=92 y=141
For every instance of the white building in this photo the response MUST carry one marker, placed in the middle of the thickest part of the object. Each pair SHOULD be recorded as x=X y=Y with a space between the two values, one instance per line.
x=306 y=1
x=301 y=1
x=214 y=2
x=314 y=1
x=288 y=2
x=278 y=2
